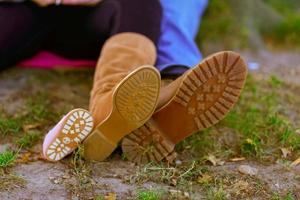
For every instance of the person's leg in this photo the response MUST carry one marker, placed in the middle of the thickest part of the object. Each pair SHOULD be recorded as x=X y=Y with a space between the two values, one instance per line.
x=134 y=31
x=80 y=32
x=125 y=91
x=73 y=35
x=143 y=17
x=198 y=99
x=22 y=30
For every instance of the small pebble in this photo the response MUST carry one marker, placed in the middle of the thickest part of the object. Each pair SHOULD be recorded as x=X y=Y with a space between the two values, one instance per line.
x=246 y=169
x=178 y=162
x=174 y=192
x=186 y=194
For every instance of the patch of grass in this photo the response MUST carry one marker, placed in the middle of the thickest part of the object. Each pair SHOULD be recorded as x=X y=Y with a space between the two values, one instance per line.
x=275 y=81
x=99 y=197
x=232 y=186
x=216 y=194
x=219 y=24
x=285 y=7
x=78 y=162
x=149 y=195
x=39 y=108
x=258 y=126
x=286 y=197
x=9 y=181
x=202 y=142
x=289 y=197
x=258 y=119
x=179 y=176
x=272 y=22
x=7 y=159
x=287 y=32
x=9 y=126
x=82 y=173
x=29 y=139
x=251 y=146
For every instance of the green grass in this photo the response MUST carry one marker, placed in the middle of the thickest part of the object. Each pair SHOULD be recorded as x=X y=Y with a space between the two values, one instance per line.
x=7 y=159
x=81 y=171
x=285 y=197
x=260 y=126
x=38 y=110
x=9 y=126
x=179 y=176
x=10 y=181
x=29 y=139
x=216 y=194
x=99 y=197
x=288 y=30
x=230 y=24
x=256 y=126
x=149 y=195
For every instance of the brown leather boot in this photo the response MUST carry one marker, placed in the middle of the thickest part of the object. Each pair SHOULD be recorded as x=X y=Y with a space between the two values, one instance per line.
x=197 y=100
x=125 y=92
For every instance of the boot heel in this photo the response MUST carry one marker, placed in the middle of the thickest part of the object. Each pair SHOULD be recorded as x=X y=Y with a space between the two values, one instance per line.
x=98 y=147
x=134 y=101
x=136 y=97
x=202 y=97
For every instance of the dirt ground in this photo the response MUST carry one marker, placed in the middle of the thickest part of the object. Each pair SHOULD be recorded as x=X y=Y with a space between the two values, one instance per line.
x=65 y=180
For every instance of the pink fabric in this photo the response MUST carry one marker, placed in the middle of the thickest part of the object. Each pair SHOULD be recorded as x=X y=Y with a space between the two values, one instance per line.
x=48 y=60
x=53 y=133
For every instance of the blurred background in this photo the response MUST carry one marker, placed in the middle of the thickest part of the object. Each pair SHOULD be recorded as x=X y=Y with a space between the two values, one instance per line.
x=255 y=24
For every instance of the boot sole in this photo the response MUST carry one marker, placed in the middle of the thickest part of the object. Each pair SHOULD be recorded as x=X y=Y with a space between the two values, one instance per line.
x=75 y=128
x=134 y=101
x=205 y=96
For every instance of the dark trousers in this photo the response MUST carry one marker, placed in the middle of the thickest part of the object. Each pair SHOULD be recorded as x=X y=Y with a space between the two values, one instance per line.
x=72 y=31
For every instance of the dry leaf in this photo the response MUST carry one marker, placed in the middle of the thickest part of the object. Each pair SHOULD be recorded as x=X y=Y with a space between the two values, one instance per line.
x=240 y=187
x=29 y=127
x=296 y=162
x=215 y=161
x=111 y=196
x=285 y=152
x=24 y=158
x=212 y=159
x=204 y=179
x=237 y=159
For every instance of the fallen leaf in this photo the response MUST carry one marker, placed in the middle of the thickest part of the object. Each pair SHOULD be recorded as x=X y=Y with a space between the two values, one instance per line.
x=285 y=152
x=237 y=159
x=295 y=163
x=215 y=161
x=29 y=127
x=204 y=179
x=239 y=187
x=24 y=158
x=111 y=196
x=173 y=181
